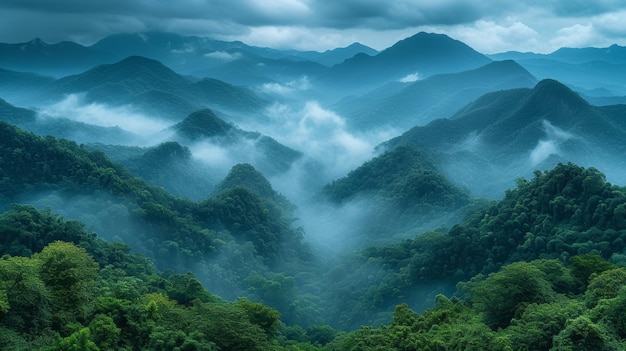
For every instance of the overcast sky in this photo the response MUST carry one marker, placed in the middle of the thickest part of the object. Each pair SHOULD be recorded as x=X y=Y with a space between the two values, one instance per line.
x=488 y=26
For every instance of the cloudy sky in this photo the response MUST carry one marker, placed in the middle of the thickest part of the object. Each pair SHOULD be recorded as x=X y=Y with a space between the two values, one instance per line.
x=488 y=26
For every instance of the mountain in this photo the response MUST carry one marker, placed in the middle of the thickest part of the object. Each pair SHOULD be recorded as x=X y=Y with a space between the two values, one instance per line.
x=15 y=115
x=583 y=69
x=265 y=153
x=235 y=62
x=176 y=232
x=505 y=135
x=18 y=87
x=149 y=85
x=335 y=56
x=57 y=60
x=401 y=191
x=425 y=54
x=438 y=96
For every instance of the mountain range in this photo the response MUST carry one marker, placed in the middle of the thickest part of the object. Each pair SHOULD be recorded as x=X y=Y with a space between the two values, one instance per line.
x=391 y=163
x=505 y=134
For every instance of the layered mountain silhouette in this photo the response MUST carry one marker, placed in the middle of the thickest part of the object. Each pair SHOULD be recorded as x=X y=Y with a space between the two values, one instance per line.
x=597 y=73
x=57 y=60
x=425 y=54
x=152 y=87
x=507 y=134
x=439 y=96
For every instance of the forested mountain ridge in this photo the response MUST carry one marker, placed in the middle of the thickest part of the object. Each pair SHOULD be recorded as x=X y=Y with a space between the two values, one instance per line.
x=559 y=214
x=507 y=134
x=429 y=98
x=176 y=232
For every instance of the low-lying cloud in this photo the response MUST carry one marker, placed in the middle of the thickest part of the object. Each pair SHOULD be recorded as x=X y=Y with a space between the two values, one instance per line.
x=549 y=146
x=75 y=108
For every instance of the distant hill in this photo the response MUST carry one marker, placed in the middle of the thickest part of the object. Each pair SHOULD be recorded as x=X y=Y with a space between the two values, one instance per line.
x=148 y=84
x=18 y=87
x=505 y=135
x=235 y=62
x=57 y=60
x=265 y=153
x=335 y=56
x=580 y=68
x=425 y=54
x=399 y=192
x=439 y=96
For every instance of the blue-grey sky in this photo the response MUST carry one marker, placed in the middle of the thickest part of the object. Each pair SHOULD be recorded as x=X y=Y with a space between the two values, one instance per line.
x=488 y=26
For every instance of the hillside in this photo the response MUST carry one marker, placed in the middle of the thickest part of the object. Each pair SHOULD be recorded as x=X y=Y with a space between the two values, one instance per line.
x=267 y=154
x=438 y=96
x=178 y=234
x=149 y=85
x=508 y=134
x=558 y=214
x=391 y=197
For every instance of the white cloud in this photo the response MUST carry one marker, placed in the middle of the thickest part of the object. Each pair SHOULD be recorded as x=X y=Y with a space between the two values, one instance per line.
x=577 y=35
x=409 y=78
x=223 y=55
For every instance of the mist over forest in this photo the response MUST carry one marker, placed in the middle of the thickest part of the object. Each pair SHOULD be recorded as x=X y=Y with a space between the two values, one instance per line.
x=163 y=192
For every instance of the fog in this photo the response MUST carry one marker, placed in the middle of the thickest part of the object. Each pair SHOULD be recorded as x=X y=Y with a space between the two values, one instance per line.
x=330 y=150
x=147 y=130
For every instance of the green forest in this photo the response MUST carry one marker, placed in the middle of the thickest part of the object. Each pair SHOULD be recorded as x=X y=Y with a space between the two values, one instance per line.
x=543 y=268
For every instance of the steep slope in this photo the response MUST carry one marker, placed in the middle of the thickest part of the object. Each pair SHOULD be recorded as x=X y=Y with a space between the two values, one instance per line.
x=566 y=211
x=398 y=192
x=178 y=233
x=435 y=97
x=15 y=115
x=520 y=130
x=425 y=54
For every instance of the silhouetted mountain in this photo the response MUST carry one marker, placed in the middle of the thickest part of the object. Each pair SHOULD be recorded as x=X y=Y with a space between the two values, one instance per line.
x=234 y=62
x=18 y=87
x=51 y=59
x=438 y=96
x=424 y=54
x=335 y=56
x=507 y=134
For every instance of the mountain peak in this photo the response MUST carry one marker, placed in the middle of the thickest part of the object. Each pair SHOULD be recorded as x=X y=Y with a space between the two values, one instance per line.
x=549 y=91
x=203 y=123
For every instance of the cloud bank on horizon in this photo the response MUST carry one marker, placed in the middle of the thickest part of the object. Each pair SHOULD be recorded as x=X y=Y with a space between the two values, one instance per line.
x=489 y=26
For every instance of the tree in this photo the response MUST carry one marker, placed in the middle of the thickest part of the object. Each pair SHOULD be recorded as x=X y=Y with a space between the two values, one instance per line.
x=69 y=272
x=505 y=294
x=24 y=299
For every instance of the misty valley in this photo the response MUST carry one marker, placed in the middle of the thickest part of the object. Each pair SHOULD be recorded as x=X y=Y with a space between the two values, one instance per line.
x=169 y=192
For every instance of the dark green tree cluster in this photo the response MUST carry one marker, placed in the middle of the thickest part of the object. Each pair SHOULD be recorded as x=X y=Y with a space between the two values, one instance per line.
x=236 y=233
x=536 y=305
x=85 y=294
x=561 y=213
